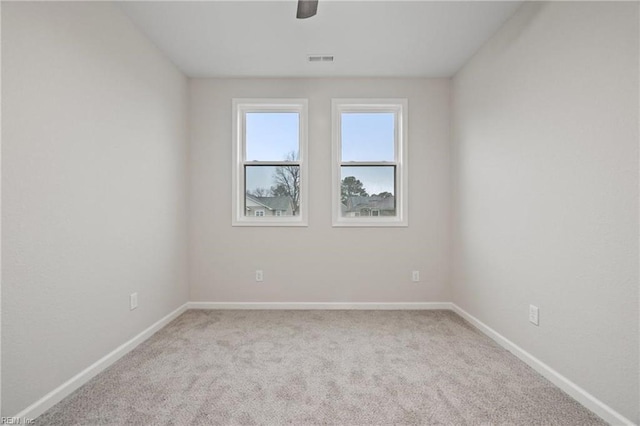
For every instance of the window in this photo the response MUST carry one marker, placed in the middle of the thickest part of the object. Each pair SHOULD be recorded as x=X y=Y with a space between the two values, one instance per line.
x=269 y=164
x=370 y=162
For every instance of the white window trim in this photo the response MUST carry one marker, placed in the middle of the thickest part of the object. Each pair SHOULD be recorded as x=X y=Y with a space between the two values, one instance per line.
x=239 y=108
x=400 y=108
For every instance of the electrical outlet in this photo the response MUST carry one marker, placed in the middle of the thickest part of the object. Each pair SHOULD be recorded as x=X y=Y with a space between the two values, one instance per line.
x=259 y=275
x=415 y=276
x=133 y=301
x=534 y=315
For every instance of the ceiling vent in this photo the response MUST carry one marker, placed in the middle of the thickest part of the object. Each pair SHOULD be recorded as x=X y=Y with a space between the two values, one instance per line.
x=320 y=58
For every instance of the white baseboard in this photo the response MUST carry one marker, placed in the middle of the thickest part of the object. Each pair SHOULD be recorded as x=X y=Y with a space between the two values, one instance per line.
x=576 y=392
x=68 y=387
x=322 y=305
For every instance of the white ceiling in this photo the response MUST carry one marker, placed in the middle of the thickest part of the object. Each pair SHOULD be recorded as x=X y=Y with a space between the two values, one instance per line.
x=368 y=38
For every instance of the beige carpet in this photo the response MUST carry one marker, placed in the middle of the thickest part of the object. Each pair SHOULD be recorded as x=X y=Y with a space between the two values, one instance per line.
x=318 y=367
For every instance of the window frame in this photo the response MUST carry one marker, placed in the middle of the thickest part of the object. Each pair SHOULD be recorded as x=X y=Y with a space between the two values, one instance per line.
x=240 y=107
x=399 y=107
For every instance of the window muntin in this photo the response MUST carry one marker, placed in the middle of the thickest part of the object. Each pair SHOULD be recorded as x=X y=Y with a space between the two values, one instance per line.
x=269 y=162
x=369 y=167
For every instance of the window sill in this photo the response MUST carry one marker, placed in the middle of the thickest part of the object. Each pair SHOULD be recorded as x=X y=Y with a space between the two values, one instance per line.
x=370 y=224
x=270 y=223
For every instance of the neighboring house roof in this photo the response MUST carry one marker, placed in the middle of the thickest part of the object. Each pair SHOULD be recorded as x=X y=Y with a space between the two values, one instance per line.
x=273 y=203
x=357 y=203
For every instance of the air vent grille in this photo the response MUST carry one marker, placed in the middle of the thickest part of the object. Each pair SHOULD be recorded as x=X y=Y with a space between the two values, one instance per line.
x=320 y=58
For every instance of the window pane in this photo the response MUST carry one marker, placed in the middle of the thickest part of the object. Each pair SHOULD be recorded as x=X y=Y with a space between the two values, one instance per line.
x=367 y=191
x=368 y=136
x=272 y=190
x=271 y=136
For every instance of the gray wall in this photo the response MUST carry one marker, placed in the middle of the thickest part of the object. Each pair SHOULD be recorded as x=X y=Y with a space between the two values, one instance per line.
x=93 y=190
x=319 y=263
x=545 y=130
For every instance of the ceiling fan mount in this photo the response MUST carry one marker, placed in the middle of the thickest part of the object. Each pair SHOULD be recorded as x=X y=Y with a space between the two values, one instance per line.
x=307 y=8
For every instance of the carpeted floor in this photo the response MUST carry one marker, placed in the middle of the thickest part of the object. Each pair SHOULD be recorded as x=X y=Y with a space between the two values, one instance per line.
x=319 y=367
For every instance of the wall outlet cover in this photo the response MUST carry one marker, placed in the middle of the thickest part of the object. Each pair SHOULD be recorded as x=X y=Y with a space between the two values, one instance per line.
x=534 y=315
x=133 y=301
